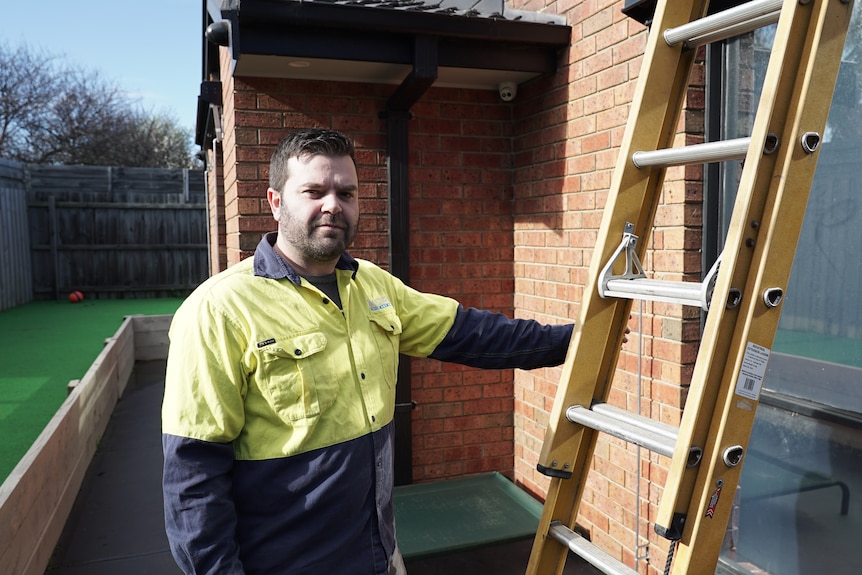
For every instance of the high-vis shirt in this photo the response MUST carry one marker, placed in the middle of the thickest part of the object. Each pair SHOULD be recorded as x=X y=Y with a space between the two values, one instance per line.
x=278 y=410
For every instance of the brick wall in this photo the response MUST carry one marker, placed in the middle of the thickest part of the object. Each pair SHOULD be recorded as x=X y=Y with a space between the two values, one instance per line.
x=461 y=245
x=230 y=184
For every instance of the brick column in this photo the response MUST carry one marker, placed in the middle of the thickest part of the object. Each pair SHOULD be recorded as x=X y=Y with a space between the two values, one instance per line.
x=215 y=207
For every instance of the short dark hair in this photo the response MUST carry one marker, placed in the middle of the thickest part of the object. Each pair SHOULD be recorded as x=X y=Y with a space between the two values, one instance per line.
x=313 y=141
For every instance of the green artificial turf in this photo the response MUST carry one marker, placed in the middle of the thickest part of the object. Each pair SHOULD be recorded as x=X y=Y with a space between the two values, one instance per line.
x=45 y=345
x=841 y=350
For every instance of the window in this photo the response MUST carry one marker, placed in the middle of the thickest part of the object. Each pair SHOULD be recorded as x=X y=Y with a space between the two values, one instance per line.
x=800 y=495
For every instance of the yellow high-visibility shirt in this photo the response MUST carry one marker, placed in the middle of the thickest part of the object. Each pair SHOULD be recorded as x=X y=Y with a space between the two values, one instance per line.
x=277 y=369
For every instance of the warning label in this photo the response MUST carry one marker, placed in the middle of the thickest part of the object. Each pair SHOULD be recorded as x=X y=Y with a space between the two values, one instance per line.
x=753 y=371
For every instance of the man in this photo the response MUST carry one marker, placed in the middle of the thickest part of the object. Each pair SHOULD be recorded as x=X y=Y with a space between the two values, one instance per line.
x=280 y=389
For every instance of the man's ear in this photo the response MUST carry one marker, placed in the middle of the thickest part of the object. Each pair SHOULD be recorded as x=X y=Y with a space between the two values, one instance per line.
x=274 y=199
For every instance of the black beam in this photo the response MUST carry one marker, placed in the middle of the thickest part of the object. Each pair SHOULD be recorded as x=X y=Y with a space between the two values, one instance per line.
x=397 y=116
x=327 y=44
x=421 y=77
x=396 y=49
x=399 y=265
x=497 y=56
x=399 y=196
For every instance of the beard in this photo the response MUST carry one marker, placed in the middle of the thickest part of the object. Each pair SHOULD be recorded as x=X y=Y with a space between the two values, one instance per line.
x=316 y=242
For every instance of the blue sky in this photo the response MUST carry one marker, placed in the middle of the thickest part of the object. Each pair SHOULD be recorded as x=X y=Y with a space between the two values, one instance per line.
x=150 y=49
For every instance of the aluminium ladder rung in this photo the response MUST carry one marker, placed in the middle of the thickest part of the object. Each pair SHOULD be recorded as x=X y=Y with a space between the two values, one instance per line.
x=708 y=152
x=725 y=24
x=633 y=283
x=587 y=551
x=685 y=293
x=654 y=435
x=732 y=31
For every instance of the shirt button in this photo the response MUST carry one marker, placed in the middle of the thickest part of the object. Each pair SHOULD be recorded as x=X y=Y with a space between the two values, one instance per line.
x=362 y=376
x=325 y=301
x=297 y=352
x=373 y=418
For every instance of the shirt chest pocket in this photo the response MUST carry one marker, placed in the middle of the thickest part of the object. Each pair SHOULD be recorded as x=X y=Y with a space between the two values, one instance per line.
x=298 y=380
x=386 y=329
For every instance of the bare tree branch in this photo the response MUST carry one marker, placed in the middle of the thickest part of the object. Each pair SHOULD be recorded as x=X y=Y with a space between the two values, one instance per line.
x=62 y=115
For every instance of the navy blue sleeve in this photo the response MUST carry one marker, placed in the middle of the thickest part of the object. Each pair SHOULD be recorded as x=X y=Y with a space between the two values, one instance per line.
x=493 y=341
x=200 y=519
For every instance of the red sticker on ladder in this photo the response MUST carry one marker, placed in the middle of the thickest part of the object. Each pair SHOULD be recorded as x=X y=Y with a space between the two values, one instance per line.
x=713 y=501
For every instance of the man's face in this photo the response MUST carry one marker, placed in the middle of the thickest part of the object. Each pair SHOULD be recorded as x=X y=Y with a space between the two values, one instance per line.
x=317 y=211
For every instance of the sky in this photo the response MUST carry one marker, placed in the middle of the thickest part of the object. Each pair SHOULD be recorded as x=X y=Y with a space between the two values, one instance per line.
x=151 y=49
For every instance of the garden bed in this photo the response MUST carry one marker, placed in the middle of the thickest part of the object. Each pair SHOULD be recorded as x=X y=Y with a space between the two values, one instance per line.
x=37 y=496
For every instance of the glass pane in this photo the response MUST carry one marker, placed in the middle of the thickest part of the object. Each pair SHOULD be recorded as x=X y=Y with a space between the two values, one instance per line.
x=799 y=510
x=799 y=504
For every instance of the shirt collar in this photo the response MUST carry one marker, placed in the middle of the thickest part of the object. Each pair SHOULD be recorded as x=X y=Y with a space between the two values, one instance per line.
x=268 y=264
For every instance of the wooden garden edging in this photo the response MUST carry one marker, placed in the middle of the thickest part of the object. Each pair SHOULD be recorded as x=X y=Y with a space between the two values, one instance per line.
x=36 y=498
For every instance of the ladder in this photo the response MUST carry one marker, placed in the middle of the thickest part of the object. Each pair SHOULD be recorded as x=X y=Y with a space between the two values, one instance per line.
x=742 y=293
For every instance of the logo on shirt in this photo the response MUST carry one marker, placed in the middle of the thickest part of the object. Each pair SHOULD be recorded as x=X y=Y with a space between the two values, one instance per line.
x=379 y=303
x=265 y=342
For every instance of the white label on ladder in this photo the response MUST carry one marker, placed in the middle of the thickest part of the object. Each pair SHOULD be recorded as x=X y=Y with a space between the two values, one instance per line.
x=753 y=371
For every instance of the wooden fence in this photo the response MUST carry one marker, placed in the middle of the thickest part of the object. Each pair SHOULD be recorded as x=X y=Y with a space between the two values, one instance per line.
x=108 y=232
x=16 y=277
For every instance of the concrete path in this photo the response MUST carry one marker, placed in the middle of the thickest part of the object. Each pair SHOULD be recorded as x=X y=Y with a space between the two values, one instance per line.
x=117 y=525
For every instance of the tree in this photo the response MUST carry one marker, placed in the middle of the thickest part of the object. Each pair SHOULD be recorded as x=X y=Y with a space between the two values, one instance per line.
x=55 y=114
x=157 y=140
x=27 y=86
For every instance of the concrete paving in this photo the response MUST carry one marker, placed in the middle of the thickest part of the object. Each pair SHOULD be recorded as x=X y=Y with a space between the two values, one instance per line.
x=116 y=524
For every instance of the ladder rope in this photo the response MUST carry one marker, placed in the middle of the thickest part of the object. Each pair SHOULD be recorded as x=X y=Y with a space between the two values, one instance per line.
x=670 y=553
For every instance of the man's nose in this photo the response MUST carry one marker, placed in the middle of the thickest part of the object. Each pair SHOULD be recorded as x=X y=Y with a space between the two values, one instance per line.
x=331 y=203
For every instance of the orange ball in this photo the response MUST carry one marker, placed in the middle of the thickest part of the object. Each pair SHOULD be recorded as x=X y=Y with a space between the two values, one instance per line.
x=76 y=296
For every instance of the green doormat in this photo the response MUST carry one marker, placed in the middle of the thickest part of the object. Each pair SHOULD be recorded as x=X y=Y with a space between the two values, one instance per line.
x=457 y=514
x=44 y=345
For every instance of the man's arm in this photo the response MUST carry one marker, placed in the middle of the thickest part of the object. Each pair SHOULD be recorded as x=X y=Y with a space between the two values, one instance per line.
x=493 y=341
x=202 y=413
x=200 y=519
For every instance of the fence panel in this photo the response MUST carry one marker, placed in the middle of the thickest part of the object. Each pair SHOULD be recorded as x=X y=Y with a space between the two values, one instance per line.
x=16 y=277
x=117 y=232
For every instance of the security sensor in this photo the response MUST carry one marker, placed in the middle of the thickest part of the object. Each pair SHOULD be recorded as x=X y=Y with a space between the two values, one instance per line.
x=508 y=90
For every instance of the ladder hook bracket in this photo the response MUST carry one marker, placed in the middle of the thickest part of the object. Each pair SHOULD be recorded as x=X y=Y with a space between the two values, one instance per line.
x=634 y=284
x=633 y=270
